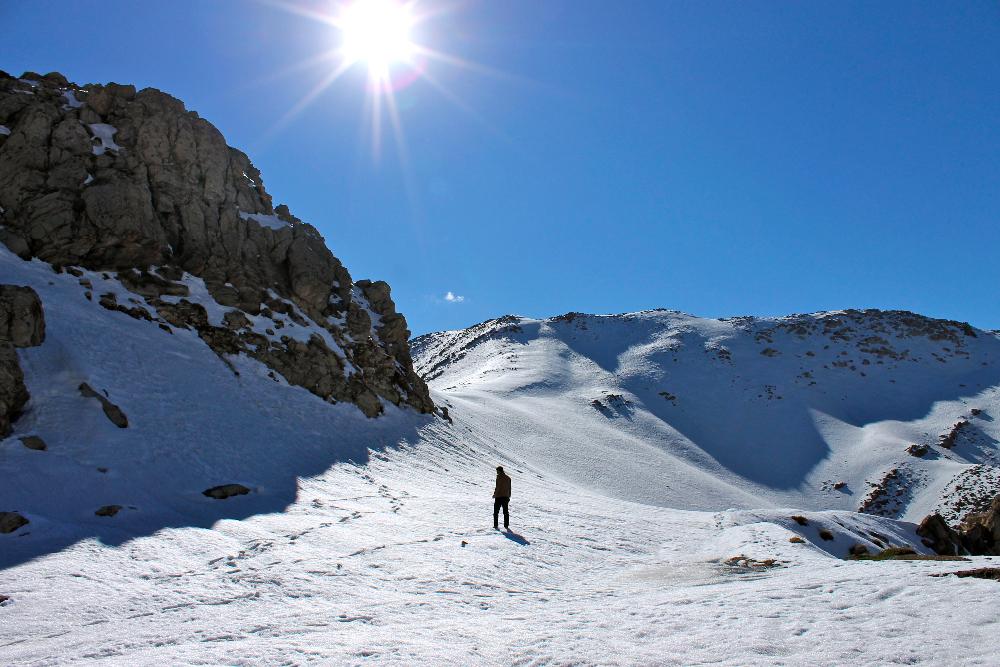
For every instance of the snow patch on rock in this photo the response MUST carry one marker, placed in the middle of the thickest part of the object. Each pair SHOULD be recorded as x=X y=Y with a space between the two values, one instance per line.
x=106 y=135
x=271 y=221
x=71 y=101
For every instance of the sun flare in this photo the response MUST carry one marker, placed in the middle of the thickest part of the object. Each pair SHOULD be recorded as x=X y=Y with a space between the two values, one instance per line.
x=377 y=33
x=388 y=39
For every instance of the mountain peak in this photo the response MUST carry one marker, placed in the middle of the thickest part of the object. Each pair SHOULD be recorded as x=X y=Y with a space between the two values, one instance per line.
x=110 y=179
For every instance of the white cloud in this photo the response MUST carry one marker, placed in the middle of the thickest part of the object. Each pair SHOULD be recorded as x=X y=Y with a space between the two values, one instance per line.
x=451 y=297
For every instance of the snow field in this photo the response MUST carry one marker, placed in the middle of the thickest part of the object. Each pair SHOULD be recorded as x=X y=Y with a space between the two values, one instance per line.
x=349 y=549
x=368 y=564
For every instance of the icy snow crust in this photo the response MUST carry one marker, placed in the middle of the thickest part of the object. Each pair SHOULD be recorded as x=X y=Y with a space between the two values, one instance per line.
x=370 y=540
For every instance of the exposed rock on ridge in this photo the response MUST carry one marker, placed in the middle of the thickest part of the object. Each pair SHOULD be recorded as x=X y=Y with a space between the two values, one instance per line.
x=108 y=178
x=978 y=534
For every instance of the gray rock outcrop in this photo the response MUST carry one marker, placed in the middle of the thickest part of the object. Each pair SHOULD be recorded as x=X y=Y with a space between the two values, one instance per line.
x=115 y=179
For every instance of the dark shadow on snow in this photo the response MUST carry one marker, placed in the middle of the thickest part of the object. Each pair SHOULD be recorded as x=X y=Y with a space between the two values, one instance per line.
x=158 y=468
x=514 y=537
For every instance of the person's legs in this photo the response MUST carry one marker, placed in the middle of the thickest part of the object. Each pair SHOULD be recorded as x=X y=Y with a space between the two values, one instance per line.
x=497 y=502
x=506 y=513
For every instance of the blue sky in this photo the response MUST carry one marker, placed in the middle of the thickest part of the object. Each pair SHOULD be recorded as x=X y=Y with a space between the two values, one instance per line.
x=717 y=158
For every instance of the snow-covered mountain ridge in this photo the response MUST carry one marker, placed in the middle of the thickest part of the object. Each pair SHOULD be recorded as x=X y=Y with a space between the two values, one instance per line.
x=889 y=412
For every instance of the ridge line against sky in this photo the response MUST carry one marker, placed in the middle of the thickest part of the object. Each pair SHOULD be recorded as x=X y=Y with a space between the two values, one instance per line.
x=714 y=158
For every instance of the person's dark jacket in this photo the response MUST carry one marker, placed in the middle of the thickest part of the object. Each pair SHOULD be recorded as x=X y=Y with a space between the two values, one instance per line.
x=503 y=486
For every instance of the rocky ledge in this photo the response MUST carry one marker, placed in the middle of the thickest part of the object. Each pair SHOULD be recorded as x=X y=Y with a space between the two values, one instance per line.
x=978 y=534
x=106 y=178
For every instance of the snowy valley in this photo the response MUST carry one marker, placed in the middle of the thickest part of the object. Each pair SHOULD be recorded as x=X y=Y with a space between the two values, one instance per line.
x=370 y=539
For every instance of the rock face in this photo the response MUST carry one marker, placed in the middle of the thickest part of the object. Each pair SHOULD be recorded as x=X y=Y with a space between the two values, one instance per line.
x=978 y=534
x=939 y=536
x=22 y=324
x=113 y=179
x=13 y=393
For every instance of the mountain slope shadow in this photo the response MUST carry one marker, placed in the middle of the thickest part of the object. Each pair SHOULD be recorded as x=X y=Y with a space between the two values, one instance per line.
x=195 y=422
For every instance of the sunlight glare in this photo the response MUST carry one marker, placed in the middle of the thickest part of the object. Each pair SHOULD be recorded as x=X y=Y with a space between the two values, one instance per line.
x=378 y=36
x=377 y=32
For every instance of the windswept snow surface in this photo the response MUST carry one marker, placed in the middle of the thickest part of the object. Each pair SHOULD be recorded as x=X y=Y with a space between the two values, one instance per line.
x=370 y=540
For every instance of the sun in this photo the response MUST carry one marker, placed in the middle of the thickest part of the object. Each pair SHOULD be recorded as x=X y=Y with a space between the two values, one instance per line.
x=388 y=39
x=377 y=33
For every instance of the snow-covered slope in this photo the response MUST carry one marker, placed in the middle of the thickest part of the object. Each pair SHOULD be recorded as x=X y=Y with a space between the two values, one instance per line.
x=815 y=411
x=369 y=539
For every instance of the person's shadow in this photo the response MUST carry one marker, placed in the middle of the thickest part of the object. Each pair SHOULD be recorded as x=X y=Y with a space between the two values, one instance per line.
x=514 y=537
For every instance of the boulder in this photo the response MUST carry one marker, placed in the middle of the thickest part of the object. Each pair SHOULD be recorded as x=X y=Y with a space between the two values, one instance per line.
x=226 y=491
x=183 y=314
x=145 y=283
x=936 y=534
x=11 y=521
x=34 y=442
x=236 y=320
x=13 y=394
x=22 y=321
x=111 y=411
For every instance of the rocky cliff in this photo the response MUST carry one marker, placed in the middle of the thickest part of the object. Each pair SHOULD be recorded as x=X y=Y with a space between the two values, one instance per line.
x=106 y=178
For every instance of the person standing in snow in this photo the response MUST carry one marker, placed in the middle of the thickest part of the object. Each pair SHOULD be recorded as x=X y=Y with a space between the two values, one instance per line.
x=501 y=497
